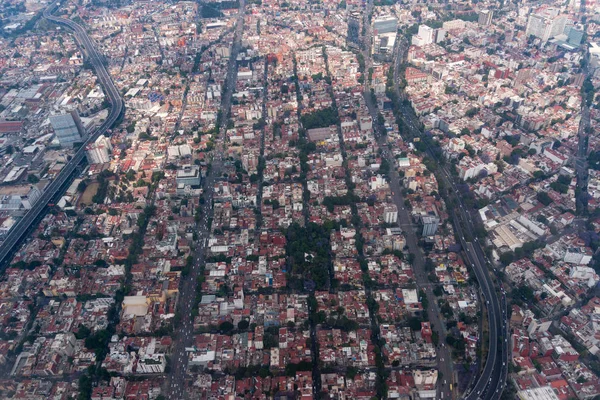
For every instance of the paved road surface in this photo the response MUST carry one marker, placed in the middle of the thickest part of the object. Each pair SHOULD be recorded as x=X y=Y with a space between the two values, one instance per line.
x=492 y=380
x=59 y=184
x=444 y=358
x=187 y=291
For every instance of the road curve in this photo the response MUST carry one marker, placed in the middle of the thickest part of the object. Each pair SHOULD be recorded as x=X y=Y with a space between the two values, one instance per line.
x=491 y=382
x=117 y=107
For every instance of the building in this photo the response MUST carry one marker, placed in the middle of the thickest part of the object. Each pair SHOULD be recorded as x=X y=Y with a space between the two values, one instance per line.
x=584 y=274
x=64 y=344
x=383 y=44
x=353 y=37
x=68 y=128
x=16 y=198
x=11 y=126
x=546 y=24
x=366 y=123
x=540 y=393
x=151 y=362
x=320 y=134
x=99 y=151
x=430 y=225
x=454 y=24
x=594 y=49
x=576 y=255
x=426 y=35
x=390 y=214
x=485 y=17
x=15 y=174
x=537 y=326
x=387 y=24
x=189 y=175
x=574 y=35
x=425 y=382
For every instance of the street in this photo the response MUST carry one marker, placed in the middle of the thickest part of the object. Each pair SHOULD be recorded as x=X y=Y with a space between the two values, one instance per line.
x=185 y=330
x=492 y=380
x=444 y=358
x=65 y=176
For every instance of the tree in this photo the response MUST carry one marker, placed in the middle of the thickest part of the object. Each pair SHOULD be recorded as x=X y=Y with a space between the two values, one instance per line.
x=226 y=327
x=320 y=119
x=471 y=112
x=414 y=323
x=351 y=372
x=507 y=258
x=82 y=332
x=82 y=186
x=243 y=325
x=544 y=198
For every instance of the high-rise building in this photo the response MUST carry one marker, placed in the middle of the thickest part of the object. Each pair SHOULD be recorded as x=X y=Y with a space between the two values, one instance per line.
x=98 y=152
x=546 y=24
x=574 y=35
x=386 y=24
x=426 y=35
x=353 y=37
x=68 y=128
x=189 y=175
x=485 y=17
x=390 y=214
x=430 y=225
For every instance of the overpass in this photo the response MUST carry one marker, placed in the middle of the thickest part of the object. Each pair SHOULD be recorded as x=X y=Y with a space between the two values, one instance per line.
x=17 y=233
x=492 y=379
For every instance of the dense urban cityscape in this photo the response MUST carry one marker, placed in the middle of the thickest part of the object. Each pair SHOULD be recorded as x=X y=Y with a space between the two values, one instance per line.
x=312 y=199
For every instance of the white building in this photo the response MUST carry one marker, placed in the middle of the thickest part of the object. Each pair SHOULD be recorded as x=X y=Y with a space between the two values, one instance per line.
x=425 y=381
x=425 y=36
x=575 y=255
x=540 y=393
x=99 y=151
x=366 y=123
x=390 y=214
x=410 y=296
x=377 y=182
x=538 y=326
x=189 y=175
x=64 y=344
x=546 y=24
x=584 y=274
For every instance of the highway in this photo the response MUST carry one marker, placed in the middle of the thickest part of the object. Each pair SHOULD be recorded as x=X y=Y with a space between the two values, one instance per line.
x=492 y=380
x=17 y=233
x=443 y=356
x=184 y=332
